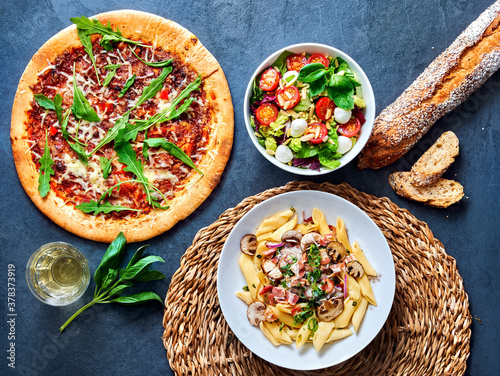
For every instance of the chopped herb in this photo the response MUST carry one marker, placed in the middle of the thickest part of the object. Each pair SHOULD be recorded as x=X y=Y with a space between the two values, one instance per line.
x=259 y=256
x=245 y=288
x=281 y=326
x=286 y=271
x=354 y=303
x=302 y=316
x=253 y=285
x=283 y=283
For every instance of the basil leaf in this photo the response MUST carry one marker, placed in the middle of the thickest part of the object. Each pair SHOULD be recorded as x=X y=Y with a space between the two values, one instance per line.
x=137 y=256
x=111 y=258
x=130 y=82
x=135 y=269
x=312 y=72
x=155 y=85
x=105 y=166
x=109 y=278
x=112 y=132
x=118 y=290
x=44 y=102
x=280 y=62
x=172 y=149
x=45 y=170
x=137 y=298
x=81 y=106
x=341 y=91
x=95 y=27
x=153 y=63
x=149 y=275
x=105 y=207
x=87 y=46
x=317 y=87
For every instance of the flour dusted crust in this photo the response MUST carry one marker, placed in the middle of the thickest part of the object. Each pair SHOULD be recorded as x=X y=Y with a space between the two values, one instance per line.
x=171 y=37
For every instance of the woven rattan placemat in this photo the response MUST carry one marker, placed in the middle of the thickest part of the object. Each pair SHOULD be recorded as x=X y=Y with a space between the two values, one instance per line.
x=427 y=332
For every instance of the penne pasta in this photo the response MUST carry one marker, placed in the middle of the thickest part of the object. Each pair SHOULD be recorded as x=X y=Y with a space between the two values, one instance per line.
x=298 y=267
x=360 y=255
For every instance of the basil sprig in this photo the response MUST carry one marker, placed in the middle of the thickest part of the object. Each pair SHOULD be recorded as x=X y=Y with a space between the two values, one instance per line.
x=112 y=281
x=46 y=170
x=339 y=87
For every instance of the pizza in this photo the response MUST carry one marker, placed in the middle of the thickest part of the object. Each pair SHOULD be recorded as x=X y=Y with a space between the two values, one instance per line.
x=121 y=122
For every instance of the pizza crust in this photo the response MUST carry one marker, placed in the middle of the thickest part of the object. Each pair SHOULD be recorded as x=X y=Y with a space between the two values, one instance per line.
x=171 y=37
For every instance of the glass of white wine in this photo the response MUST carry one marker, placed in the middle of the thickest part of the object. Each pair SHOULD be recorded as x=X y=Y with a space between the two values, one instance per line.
x=57 y=274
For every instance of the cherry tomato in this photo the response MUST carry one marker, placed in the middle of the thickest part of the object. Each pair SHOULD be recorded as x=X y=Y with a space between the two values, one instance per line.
x=320 y=130
x=324 y=108
x=288 y=97
x=269 y=80
x=164 y=94
x=318 y=58
x=266 y=113
x=351 y=128
x=52 y=131
x=105 y=106
x=295 y=62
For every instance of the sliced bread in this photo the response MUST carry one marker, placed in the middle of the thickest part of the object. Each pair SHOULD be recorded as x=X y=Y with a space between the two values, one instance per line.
x=440 y=194
x=435 y=161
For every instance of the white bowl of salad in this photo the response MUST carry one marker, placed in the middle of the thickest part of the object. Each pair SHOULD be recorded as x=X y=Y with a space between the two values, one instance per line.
x=309 y=109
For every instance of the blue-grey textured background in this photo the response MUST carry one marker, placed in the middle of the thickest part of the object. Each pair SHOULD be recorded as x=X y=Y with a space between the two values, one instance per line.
x=393 y=41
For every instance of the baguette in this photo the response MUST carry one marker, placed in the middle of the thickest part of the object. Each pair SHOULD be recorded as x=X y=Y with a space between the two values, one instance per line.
x=445 y=83
x=435 y=161
x=440 y=194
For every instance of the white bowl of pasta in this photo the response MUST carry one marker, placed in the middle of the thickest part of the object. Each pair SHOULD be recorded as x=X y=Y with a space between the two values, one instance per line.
x=314 y=286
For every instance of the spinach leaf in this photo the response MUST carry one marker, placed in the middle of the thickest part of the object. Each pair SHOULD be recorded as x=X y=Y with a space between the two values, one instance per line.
x=312 y=72
x=105 y=166
x=280 y=62
x=105 y=207
x=163 y=63
x=341 y=91
x=87 y=46
x=45 y=170
x=81 y=107
x=317 y=87
x=130 y=82
x=173 y=150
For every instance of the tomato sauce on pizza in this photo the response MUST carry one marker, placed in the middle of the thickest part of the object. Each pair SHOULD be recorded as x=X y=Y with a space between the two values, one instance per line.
x=76 y=181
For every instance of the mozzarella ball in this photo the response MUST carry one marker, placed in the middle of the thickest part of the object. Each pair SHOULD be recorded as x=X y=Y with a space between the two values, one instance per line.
x=341 y=116
x=283 y=154
x=345 y=144
x=298 y=128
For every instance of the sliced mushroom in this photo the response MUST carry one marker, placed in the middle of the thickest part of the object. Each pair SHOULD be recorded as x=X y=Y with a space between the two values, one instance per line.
x=291 y=236
x=355 y=269
x=309 y=239
x=330 y=309
x=255 y=313
x=248 y=244
x=336 y=251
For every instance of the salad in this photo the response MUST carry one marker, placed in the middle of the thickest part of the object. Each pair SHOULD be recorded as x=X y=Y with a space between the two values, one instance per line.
x=306 y=110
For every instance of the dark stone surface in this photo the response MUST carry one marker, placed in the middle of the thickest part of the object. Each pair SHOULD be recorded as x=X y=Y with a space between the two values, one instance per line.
x=393 y=41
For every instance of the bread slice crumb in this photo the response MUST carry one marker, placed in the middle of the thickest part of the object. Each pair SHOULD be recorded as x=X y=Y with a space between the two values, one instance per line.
x=435 y=161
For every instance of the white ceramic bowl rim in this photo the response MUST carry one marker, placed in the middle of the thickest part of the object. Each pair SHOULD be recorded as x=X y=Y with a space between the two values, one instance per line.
x=368 y=96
